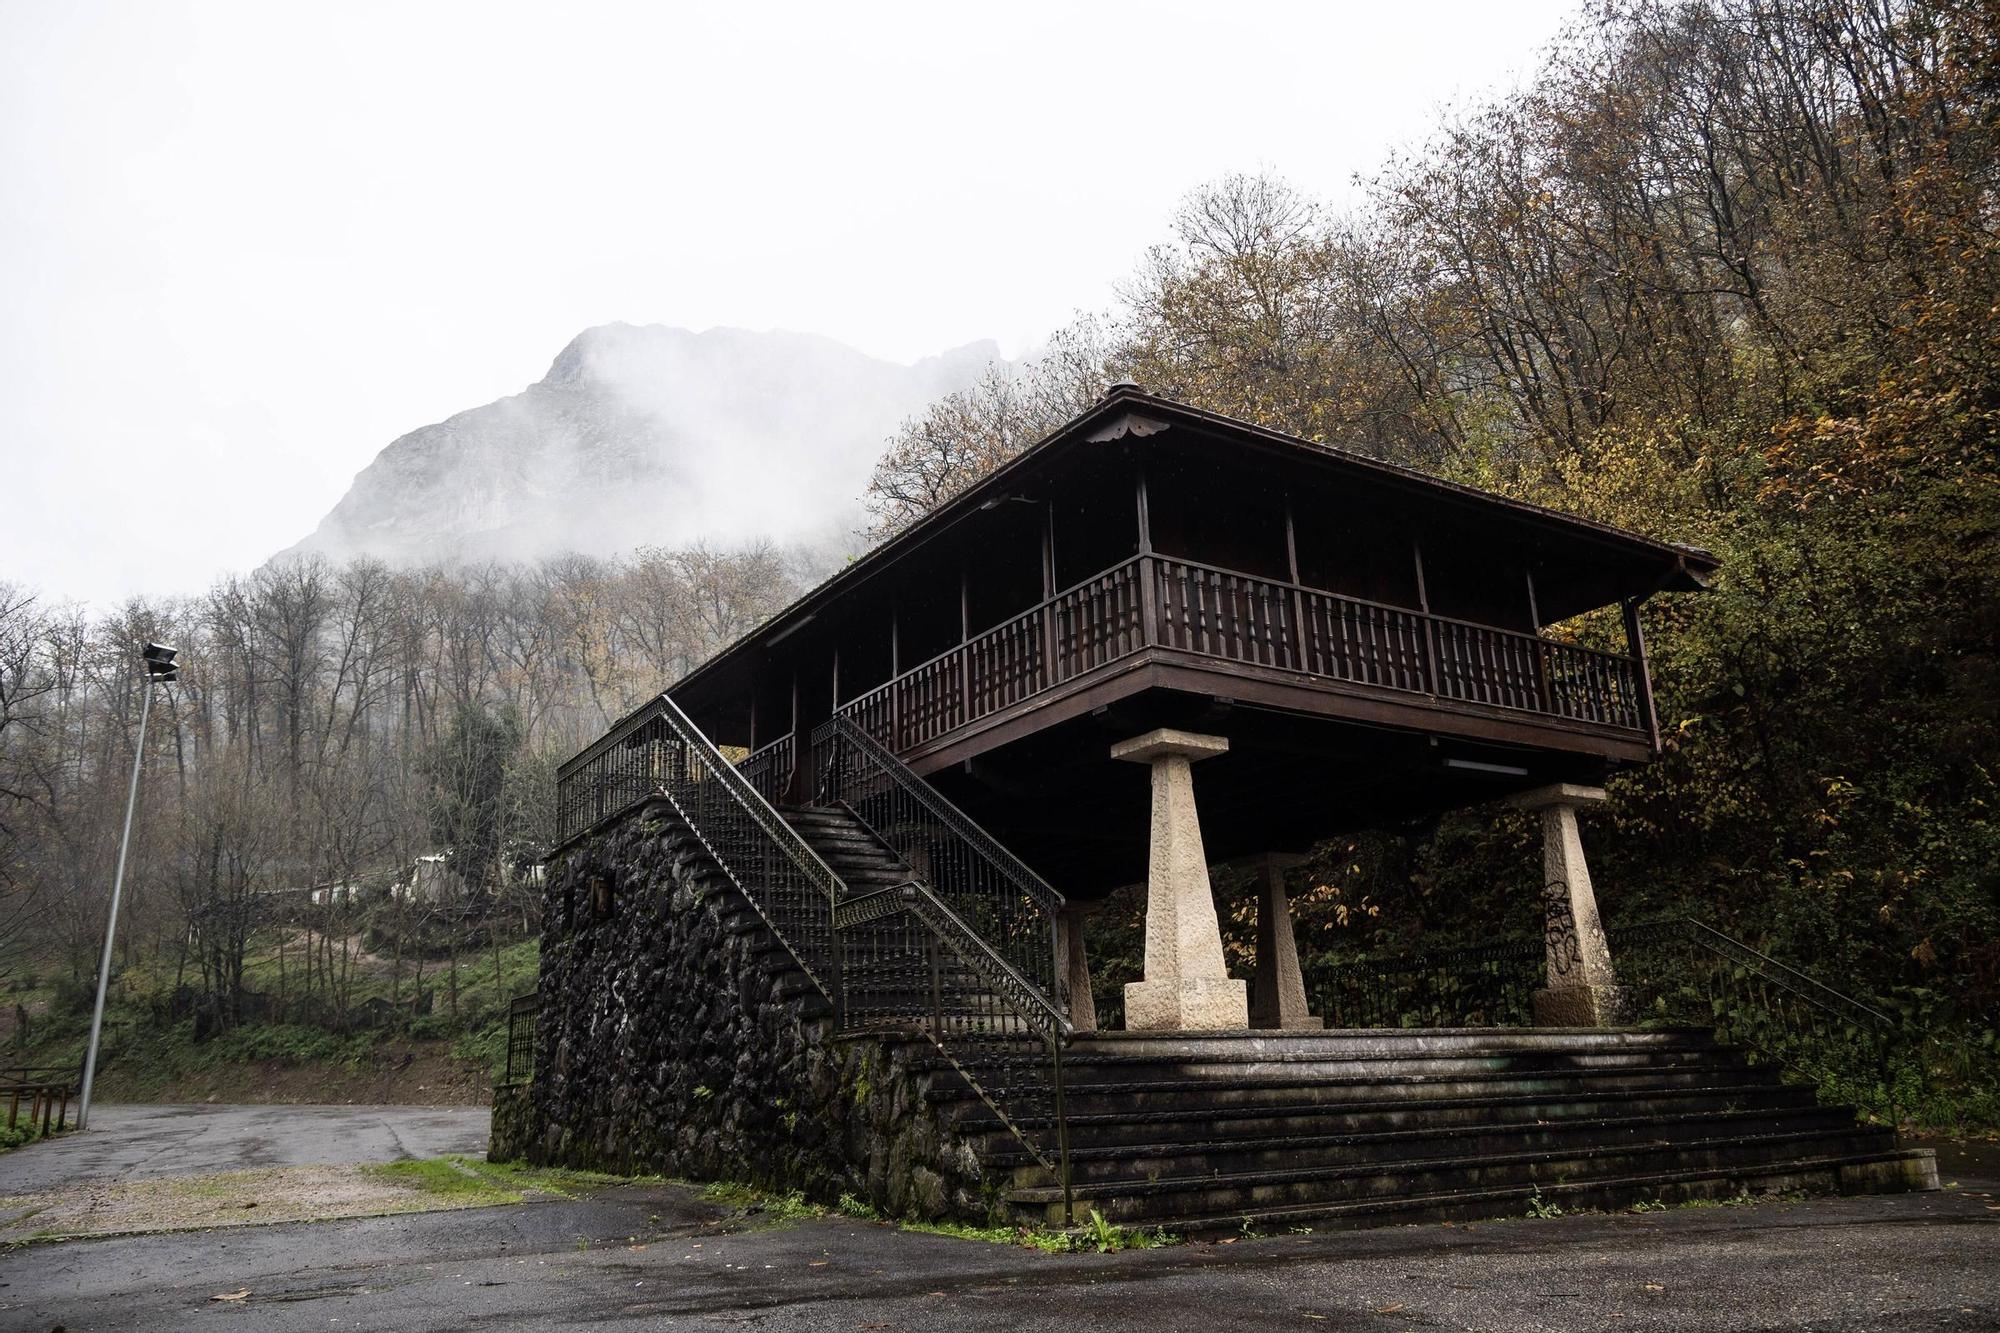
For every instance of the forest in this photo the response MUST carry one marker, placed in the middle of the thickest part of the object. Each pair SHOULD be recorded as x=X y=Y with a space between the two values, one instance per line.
x=1725 y=272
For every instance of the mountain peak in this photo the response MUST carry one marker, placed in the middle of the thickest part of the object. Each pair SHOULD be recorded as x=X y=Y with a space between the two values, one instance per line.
x=645 y=435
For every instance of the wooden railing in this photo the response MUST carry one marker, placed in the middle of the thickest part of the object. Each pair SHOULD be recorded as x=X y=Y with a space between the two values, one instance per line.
x=1154 y=601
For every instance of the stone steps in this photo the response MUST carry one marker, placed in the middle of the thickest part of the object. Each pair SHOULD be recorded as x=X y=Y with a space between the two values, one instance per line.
x=1863 y=1173
x=1169 y=1200
x=1295 y=1153
x=1207 y=1131
x=1208 y=1124
x=1200 y=1131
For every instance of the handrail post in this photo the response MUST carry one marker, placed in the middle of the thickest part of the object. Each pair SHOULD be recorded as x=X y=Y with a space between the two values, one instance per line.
x=1062 y=1133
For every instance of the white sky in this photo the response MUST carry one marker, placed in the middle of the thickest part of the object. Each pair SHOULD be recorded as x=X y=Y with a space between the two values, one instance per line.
x=243 y=246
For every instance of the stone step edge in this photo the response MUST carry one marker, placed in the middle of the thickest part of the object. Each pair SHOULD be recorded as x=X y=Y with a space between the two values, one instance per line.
x=1361 y=1046
x=1802 y=1099
x=1300 y=1213
x=955 y=1093
x=1042 y=1194
x=1839 y=1118
x=1125 y=1069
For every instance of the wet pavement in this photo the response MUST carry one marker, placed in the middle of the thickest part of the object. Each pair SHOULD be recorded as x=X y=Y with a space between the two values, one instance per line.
x=136 y=1142
x=658 y=1257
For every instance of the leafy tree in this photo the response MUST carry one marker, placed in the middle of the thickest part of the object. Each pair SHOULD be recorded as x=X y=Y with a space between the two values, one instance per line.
x=467 y=771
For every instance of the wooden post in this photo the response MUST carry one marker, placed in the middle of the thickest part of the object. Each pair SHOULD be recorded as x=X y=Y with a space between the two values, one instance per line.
x=1430 y=629
x=1635 y=640
x=1301 y=658
x=1538 y=663
x=1149 y=592
x=1051 y=641
x=895 y=670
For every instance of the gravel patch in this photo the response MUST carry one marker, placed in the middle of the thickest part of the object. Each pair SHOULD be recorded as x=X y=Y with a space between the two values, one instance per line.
x=227 y=1198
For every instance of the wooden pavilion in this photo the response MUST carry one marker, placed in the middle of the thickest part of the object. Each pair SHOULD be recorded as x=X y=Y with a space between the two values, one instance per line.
x=861 y=923
x=1371 y=644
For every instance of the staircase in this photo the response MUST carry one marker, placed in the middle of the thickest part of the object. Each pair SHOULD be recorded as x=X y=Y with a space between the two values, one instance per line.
x=1209 y=1133
x=888 y=988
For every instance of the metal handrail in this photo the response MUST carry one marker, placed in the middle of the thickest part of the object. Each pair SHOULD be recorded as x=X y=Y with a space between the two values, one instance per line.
x=994 y=882
x=1004 y=1034
x=1812 y=991
x=980 y=1029
x=989 y=847
x=1481 y=982
x=781 y=835
x=1855 y=1017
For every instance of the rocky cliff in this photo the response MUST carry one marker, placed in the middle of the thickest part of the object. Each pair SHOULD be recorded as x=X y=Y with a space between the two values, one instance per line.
x=644 y=436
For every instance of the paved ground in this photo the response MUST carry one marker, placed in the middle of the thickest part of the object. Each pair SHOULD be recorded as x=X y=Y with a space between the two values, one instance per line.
x=659 y=1258
x=135 y=1142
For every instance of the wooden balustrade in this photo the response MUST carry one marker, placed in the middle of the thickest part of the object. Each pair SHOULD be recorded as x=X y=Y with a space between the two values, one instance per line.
x=1220 y=613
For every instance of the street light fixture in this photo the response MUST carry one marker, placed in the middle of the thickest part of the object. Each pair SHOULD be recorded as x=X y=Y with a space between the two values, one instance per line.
x=159 y=663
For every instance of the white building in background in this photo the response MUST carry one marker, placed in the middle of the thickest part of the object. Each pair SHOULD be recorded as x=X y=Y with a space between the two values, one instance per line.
x=340 y=891
x=432 y=880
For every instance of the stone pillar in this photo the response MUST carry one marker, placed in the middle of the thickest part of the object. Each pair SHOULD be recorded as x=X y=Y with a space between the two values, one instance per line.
x=1187 y=985
x=1582 y=989
x=1278 y=996
x=1076 y=966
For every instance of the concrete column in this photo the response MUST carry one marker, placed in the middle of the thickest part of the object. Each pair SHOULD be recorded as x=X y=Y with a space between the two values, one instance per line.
x=1582 y=989
x=1278 y=996
x=1076 y=964
x=1187 y=985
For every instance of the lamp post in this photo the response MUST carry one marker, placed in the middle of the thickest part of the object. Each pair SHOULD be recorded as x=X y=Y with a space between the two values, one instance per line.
x=159 y=660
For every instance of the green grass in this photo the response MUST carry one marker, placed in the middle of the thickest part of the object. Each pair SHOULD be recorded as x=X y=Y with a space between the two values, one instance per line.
x=144 y=1053
x=13 y=1136
x=464 y=1179
x=446 y=1178
x=770 y=1208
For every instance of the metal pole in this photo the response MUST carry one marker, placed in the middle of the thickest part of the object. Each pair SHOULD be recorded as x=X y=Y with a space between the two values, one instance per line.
x=111 y=927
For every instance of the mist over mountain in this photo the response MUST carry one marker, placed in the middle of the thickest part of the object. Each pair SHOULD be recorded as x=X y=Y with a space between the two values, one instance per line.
x=645 y=436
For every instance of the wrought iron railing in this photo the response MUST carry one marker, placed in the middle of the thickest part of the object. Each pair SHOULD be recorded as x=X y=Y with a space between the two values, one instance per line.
x=657 y=752
x=1485 y=986
x=769 y=768
x=523 y=1013
x=1678 y=972
x=912 y=965
x=1005 y=904
x=965 y=951
x=1687 y=972
x=920 y=955
x=1160 y=602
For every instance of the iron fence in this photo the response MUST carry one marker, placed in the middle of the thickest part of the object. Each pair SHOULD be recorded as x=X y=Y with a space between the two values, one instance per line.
x=523 y=1014
x=1674 y=973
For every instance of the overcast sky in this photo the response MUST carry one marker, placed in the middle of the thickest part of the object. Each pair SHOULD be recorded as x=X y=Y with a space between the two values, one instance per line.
x=243 y=246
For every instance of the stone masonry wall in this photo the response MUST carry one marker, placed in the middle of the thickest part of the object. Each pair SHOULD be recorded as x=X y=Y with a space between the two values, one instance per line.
x=663 y=1047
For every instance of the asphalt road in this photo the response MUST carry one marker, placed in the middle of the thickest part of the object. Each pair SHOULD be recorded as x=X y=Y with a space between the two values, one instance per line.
x=659 y=1258
x=136 y=1142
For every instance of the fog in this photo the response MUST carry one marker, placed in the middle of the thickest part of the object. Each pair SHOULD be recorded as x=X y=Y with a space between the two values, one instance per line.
x=245 y=245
